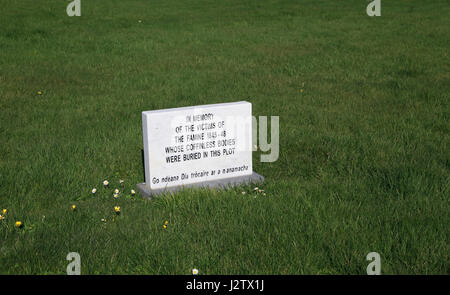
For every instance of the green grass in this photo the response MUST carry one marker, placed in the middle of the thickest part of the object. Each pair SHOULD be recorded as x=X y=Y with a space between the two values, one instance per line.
x=364 y=149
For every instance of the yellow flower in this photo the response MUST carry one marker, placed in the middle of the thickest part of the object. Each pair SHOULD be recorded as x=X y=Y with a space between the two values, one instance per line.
x=117 y=209
x=164 y=226
x=18 y=223
x=1 y=217
x=166 y=222
x=39 y=92
x=4 y=211
x=74 y=207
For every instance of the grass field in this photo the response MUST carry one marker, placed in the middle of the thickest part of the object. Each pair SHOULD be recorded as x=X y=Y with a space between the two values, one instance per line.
x=364 y=158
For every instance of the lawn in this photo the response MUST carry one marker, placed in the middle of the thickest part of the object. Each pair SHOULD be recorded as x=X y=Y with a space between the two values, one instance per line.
x=363 y=104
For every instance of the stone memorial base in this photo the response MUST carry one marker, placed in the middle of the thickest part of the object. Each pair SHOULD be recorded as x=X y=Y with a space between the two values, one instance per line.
x=147 y=192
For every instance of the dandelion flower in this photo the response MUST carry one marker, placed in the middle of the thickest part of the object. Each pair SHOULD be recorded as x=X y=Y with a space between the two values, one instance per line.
x=166 y=222
x=94 y=190
x=117 y=209
x=74 y=207
x=106 y=183
x=19 y=224
x=164 y=226
x=4 y=211
x=195 y=271
x=133 y=192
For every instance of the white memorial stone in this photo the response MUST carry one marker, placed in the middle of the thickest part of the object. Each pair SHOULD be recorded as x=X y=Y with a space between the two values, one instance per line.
x=206 y=146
